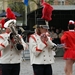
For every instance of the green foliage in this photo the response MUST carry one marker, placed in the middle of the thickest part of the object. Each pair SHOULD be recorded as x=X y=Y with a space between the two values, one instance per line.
x=17 y=6
x=51 y=2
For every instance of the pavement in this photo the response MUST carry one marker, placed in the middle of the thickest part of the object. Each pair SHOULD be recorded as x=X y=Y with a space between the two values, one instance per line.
x=58 y=67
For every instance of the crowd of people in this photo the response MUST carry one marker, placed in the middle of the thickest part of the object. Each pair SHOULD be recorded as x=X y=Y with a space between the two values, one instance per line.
x=56 y=34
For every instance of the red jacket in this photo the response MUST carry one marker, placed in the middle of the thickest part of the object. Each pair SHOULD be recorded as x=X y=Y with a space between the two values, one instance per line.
x=68 y=39
x=0 y=53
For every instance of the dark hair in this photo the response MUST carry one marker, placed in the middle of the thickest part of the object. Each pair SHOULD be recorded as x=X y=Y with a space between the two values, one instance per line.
x=7 y=19
x=71 y=26
x=38 y=31
x=39 y=26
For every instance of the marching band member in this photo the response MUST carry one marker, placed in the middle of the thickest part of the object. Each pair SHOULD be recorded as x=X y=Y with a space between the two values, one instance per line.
x=41 y=53
x=10 y=57
x=68 y=39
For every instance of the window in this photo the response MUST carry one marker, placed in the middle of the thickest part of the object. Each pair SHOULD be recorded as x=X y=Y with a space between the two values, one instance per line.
x=61 y=2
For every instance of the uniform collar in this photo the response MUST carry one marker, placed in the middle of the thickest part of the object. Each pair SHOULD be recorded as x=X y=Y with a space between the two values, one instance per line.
x=71 y=30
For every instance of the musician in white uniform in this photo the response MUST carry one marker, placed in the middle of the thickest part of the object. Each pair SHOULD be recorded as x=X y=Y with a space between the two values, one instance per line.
x=41 y=50
x=10 y=56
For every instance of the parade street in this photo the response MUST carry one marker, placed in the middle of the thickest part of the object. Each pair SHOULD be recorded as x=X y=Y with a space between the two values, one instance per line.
x=58 y=67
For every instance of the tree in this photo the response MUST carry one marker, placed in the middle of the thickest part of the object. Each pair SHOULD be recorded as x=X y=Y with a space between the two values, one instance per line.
x=17 y=6
x=51 y=2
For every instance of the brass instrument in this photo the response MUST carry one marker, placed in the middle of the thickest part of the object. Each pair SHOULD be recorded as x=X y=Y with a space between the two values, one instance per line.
x=16 y=36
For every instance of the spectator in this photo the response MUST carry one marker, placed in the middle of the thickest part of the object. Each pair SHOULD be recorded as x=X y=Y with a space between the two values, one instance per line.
x=61 y=33
x=57 y=31
x=57 y=39
x=54 y=36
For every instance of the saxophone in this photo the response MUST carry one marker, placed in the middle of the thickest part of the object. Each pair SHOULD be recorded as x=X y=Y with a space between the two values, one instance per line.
x=18 y=44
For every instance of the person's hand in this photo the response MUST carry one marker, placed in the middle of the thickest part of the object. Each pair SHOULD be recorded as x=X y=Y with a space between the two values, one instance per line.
x=44 y=37
x=64 y=46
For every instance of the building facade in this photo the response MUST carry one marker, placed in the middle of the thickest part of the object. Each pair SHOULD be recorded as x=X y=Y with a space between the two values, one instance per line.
x=34 y=4
x=64 y=2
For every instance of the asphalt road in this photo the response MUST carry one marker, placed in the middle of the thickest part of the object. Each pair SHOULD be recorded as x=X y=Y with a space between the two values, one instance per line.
x=58 y=67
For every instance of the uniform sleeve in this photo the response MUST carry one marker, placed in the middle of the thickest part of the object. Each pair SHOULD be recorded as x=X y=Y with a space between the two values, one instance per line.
x=3 y=42
x=50 y=43
x=36 y=47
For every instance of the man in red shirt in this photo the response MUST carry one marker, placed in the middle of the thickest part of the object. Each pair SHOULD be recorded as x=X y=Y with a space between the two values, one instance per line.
x=68 y=39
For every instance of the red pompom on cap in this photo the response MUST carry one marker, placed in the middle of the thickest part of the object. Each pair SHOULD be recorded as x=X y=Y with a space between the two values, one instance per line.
x=10 y=14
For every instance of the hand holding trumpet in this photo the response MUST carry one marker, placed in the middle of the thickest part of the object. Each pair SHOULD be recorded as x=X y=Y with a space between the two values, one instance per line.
x=44 y=37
